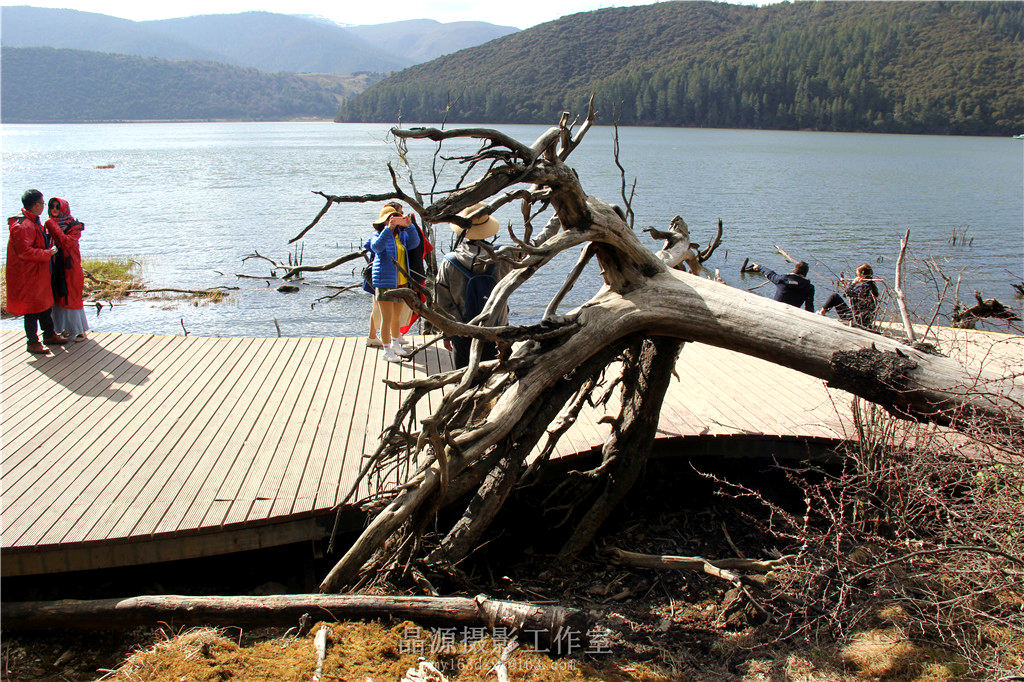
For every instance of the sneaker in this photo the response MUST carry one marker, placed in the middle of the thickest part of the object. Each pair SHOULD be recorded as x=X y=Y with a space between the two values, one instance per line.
x=389 y=355
x=38 y=348
x=374 y=342
x=400 y=339
x=398 y=350
x=54 y=340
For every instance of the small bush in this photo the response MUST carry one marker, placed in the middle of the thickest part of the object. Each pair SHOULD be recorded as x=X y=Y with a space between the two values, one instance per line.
x=111 y=279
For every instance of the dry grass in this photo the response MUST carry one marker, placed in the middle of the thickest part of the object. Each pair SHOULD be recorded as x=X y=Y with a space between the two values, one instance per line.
x=880 y=653
x=356 y=651
x=106 y=279
x=887 y=654
x=110 y=279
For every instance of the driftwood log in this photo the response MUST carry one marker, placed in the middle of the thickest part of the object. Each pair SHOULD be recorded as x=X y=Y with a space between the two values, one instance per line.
x=967 y=318
x=116 y=614
x=476 y=441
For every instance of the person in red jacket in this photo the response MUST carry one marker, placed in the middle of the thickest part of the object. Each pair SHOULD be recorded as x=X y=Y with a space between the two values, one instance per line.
x=68 y=278
x=28 y=272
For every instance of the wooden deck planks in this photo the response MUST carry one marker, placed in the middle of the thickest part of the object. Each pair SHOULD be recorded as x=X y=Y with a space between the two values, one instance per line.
x=318 y=462
x=243 y=478
x=280 y=483
x=297 y=490
x=361 y=401
x=45 y=460
x=225 y=446
x=270 y=453
x=94 y=435
x=134 y=437
x=330 y=492
x=112 y=489
x=38 y=400
x=65 y=363
x=26 y=448
x=177 y=453
x=190 y=484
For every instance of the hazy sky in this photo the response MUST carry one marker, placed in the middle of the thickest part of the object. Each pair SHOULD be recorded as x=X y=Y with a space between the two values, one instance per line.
x=519 y=13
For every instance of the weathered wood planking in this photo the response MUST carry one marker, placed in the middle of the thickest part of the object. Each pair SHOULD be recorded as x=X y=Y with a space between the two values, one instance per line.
x=134 y=448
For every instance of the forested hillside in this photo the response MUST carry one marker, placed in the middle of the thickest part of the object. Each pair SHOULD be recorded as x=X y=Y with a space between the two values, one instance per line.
x=46 y=85
x=916 y=67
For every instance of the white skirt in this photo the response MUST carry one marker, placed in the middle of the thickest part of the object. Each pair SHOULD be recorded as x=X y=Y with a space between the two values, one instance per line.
x=69 y=321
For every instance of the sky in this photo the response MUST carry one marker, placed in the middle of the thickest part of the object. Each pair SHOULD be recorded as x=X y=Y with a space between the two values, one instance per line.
x=520 y=13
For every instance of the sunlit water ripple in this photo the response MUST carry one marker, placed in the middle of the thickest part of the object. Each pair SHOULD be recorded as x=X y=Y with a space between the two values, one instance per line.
x=189 y=200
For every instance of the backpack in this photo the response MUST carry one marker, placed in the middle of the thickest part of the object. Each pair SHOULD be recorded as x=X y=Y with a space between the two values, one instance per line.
x=478 y=288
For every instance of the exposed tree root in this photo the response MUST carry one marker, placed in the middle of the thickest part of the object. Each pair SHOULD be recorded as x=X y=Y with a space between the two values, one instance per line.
x=478 y=439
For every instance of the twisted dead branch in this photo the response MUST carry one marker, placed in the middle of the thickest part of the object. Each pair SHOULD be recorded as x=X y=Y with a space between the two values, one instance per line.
x=477 y=440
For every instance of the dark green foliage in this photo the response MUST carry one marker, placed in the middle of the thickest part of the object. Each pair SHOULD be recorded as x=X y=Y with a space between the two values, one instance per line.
x=912 y=67
x=46 y=85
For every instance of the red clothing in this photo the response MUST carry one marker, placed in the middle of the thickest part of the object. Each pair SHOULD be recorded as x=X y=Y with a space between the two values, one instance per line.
x=66 y=232
x=28 y=266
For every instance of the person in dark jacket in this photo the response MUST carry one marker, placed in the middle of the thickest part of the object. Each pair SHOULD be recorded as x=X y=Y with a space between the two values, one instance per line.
x=469 y=259
x=863 y=295
x=794 y=288
x=29 y=291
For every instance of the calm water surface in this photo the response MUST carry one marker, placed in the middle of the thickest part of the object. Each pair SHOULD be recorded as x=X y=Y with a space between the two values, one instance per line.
x=190 y=200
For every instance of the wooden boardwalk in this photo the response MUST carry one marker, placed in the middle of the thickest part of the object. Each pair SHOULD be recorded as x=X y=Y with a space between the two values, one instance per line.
x=129 y=449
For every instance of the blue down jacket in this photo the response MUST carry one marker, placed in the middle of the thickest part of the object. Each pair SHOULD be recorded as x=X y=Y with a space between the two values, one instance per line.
x=385 y=251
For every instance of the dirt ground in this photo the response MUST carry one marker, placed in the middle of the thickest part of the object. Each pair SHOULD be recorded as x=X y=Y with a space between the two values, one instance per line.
x=645 y=624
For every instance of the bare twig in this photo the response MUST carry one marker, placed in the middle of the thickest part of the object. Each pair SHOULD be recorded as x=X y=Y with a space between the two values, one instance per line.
x=901 y=300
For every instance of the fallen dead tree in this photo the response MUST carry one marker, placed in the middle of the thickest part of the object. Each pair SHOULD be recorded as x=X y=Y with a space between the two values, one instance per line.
x=114 y=614
x=476 y=442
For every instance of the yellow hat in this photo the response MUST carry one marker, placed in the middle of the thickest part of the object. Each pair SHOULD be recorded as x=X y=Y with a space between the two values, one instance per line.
x=384 y=214
x=484 y=225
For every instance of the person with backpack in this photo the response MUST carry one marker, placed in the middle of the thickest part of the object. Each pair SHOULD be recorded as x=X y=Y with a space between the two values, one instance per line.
x=68 y=278
x=29 y=292
x=465 y=279
x=390 y=246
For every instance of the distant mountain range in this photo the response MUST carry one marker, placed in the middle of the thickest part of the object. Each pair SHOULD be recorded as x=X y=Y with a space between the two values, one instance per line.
x=48 y=85
x=420 y=40
x=912 y=67
x=261 y=40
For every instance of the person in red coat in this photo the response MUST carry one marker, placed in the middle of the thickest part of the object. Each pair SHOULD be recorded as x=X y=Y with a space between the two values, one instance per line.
x=68 y=281
x=28 y=272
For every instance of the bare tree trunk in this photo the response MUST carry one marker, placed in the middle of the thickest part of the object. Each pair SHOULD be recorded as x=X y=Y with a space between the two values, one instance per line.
x=484 y=428
x=115 y=614
x=627 y=450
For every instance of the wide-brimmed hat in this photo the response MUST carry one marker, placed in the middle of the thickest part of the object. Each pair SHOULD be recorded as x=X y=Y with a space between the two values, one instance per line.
x=484 y=225
x=385 y=213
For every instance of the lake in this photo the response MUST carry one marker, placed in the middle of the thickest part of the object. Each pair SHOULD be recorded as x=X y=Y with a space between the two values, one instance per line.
x=190 y=200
